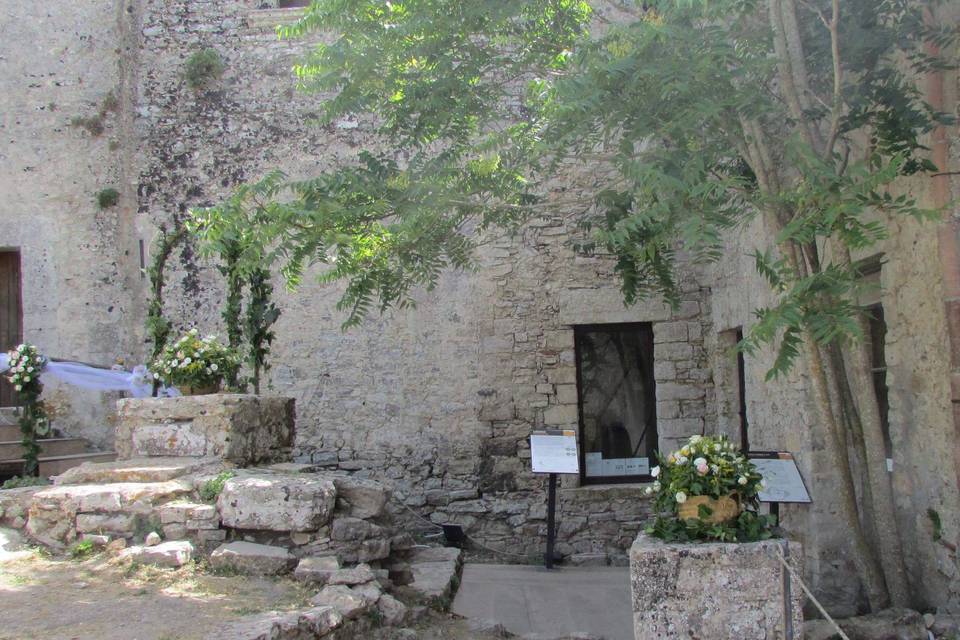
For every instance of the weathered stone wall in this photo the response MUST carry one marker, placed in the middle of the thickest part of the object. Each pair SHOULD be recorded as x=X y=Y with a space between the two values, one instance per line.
x=439 y=401
x=60 y=65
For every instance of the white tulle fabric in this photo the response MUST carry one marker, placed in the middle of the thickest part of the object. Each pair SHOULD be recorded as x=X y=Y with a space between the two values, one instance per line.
x=137 y=382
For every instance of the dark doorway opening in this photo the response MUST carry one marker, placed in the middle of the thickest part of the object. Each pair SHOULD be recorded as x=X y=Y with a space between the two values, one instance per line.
x=11 y=315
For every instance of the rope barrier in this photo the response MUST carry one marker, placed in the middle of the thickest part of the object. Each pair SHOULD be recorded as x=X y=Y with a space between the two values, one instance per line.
x=810 y=595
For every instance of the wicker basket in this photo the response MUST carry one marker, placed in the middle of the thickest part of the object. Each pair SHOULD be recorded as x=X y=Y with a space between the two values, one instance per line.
x=723 y=509
x=199 y=391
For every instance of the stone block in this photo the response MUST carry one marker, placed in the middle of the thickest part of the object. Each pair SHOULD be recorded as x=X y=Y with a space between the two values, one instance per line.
x=670 y=332
x=675 y=391
x=359 y=574
x=277 y=502
x=714 y=590
x=252 y=558
x=359 y=497
x=167 y=554
x=244 y=429
x=560 y=414
x=316 y=569
x=349 y=603
x=353 y=529
x=121 y=523
x=392 y=611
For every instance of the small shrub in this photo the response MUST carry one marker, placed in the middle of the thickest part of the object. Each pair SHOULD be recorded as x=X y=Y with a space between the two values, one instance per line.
x=81 y=550
x=93 y=124
x=203 y=67
x=110 y=103
x=27 y=481
x=107 y=198
x=210 y=490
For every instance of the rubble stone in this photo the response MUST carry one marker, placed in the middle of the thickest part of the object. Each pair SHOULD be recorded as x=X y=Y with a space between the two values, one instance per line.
x=168 y=554
x=316 y=569
x=349 y=603
x=252 y=558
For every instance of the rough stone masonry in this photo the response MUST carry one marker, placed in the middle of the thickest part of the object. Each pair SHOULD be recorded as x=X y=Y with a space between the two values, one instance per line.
x=437 y=402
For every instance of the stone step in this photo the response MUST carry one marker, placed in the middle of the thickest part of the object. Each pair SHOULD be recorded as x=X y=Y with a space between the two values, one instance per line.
x=9 y=432
x=140 y=470
x=436 y=574
x=55 y=465
x=13 y=450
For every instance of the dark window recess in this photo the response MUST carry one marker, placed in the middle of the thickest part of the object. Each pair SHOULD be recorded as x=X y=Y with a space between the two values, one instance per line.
x=289 y=4
x=11 y=316
x=878 y=335
x=618 y=417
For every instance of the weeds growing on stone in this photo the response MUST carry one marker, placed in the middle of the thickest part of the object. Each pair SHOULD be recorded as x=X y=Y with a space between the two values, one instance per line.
x=210 y=490
x=203 y=67
x=17 y=482
x=82 y=550
x=107 y=198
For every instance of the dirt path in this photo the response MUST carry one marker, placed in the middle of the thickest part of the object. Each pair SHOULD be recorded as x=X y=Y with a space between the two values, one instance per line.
x=44 y=598
x=100 y=599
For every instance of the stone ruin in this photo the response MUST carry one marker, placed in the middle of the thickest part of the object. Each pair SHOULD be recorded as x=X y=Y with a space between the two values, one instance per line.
x=328 y=529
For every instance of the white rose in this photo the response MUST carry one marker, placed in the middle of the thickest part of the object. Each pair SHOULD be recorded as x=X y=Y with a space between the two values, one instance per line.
x=656 y=486
x=173 y=363
x=26 y=378
x=694 y=439
x=648 y=491
x=187 y=360
x=700 y=462
x=655 y=472
x=742 y=481
x=681 y=497
x=29 y=369
x=716 y=447
x=18 y=387
x=214 y=366
x=156 y=376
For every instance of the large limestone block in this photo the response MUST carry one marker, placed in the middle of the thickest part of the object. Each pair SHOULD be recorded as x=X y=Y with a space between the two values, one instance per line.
x=277 y=502
x=275 y=625
x=244 y=429
x=252 y=558
x=359 y=497
x=717 y=590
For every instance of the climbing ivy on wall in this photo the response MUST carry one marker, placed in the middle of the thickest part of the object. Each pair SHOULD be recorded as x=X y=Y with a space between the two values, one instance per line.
x=157 y=325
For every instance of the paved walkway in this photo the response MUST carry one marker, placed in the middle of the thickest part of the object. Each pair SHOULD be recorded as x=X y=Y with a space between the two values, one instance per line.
x=529 y=599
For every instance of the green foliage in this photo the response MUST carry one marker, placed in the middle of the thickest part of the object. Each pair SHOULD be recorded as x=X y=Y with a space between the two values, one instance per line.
x=93 y=124
x=748 y=527
x=678 y=108
x=107 y=198
x=17 y=482
x=240 y=233
x=159 y=327
x=704 y=466
x=937 y=524
x=195 y=362
x=82 y=550
x=203 y=68
x=210 y=490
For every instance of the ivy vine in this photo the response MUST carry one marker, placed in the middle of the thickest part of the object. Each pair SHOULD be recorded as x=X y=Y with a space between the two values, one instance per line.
x=158 y=327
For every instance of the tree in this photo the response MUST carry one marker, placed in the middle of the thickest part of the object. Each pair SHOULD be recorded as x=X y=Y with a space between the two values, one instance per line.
x=697 y=117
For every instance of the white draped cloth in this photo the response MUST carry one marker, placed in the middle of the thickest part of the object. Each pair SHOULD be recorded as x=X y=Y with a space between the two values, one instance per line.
x=137 y=383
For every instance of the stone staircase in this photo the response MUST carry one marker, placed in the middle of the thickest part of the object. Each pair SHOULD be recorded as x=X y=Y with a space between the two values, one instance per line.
x=56 y=454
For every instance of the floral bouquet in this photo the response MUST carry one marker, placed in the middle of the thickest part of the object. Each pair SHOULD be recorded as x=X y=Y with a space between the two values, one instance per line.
x=707 y=490
x=26 y=363
x=195 y=364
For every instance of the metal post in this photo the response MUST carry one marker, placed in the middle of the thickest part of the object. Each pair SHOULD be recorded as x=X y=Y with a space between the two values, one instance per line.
x=551 y=519
x=787 y=594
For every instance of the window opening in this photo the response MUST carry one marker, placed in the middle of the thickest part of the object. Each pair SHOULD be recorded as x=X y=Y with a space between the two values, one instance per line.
x=617 y=397
x=11 y=316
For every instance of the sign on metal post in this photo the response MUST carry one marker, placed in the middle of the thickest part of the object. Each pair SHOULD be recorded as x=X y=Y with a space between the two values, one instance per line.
x=781 y=476
x=553 y=451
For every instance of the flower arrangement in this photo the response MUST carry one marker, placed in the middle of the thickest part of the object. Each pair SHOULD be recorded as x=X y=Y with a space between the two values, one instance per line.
x=707 y=490
x=195 y=363
x=26 y=363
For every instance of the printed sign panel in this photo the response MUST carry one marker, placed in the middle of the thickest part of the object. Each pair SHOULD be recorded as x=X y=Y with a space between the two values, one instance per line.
x=782 y=477
x=554 y=451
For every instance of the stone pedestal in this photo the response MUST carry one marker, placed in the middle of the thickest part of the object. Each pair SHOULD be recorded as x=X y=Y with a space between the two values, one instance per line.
x=717 y=591
x=244 y=429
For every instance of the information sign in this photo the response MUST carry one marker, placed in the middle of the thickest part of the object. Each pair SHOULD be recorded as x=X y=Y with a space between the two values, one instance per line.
x=554 y=451
x=782 y=477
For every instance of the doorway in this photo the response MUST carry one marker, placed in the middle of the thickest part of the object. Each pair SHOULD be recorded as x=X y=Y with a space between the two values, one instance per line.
x=11 y=315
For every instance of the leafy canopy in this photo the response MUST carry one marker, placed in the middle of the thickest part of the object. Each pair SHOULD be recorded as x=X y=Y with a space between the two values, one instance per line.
x=676 y=108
